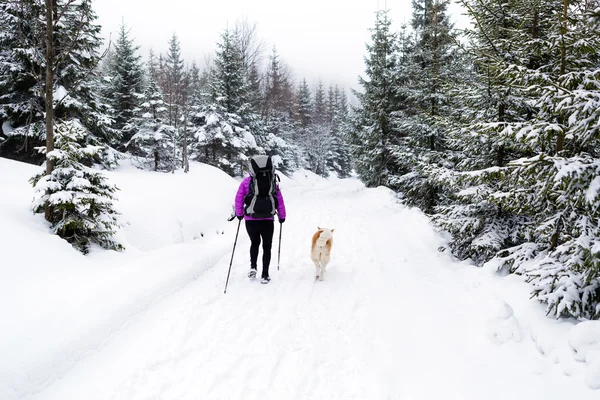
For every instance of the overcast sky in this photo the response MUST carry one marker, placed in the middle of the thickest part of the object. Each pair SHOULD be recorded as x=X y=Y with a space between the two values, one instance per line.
x=318 y=39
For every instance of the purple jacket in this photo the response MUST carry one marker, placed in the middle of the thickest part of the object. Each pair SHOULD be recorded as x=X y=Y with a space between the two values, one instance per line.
x=243 y=191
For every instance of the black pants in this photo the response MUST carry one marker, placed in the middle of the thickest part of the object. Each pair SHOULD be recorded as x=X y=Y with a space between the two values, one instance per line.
x=257 y=230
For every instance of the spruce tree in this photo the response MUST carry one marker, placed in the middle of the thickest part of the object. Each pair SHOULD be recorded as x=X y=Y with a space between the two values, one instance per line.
x=81 y=197
x=278 y=116
x=374 y=134
x=486 y=104
x=76 y=40
x=152 y=145
x=431 y=69
x=320 y=111
x=339 y=159
x=304 y=105
x=529 y=193
x=556 y=186
x=173 y=84
x=318 y=137
x=126 y=87
x=225 y=139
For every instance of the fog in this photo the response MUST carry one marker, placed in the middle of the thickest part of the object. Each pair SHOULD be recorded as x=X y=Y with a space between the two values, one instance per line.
x=318 y=39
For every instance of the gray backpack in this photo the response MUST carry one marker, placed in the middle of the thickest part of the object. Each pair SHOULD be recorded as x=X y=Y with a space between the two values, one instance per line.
x=261 y=200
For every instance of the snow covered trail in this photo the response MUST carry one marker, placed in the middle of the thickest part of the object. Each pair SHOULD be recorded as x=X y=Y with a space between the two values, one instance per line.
x=394 y=319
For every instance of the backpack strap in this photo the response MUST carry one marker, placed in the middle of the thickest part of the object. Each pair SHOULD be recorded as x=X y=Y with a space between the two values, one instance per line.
x=253 y=167
x=269 y=165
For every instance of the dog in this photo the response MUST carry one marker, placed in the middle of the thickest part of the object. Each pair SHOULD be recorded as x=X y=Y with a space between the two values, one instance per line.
x=320 y=251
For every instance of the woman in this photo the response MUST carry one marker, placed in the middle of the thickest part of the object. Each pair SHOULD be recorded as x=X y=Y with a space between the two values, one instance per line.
x=257 y=200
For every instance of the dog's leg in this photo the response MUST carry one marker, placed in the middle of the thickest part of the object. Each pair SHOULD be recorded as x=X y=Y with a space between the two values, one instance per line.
x=324 y=263
x=318 y=269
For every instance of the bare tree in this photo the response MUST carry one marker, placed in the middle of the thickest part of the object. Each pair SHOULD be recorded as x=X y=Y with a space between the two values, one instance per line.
x=250 y=46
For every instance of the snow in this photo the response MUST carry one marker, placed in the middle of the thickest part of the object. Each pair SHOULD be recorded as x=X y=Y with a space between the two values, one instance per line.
x=212 y=119
x=585 y=342
x=593 y=191
x=393 y=319
x=60 y=93
x=7 y=128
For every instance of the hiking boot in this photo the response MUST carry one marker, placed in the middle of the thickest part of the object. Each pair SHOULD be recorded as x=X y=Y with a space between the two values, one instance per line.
x=265 y=279
x=252 y=273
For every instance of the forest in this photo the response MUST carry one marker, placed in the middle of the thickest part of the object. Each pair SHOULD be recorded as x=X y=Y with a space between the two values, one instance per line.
x=492 y=131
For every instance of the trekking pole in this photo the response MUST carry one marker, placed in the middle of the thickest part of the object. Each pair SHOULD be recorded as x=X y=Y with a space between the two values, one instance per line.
x=279 y=251
x=232 y=253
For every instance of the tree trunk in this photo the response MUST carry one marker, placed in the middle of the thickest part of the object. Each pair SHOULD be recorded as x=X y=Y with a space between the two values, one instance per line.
x=435 y=62
x=185 y=161
x=174 y=161
x=560 y=139
x=49 y=94
x=500 y=152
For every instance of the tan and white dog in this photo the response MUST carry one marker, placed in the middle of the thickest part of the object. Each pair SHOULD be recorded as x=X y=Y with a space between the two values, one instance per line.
x=320 y=251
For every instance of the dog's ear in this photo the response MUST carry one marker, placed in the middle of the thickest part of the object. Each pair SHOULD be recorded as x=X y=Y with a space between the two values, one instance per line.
x=332 y=230
x=318 y=228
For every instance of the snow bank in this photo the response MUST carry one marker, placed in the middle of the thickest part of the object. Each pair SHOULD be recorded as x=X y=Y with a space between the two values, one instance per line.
x=161 y=209
x=392 y=316
x=305 y=177
x=585 y=342
x=64 y=305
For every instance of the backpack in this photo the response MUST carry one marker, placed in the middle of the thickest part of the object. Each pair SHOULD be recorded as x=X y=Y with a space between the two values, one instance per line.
x=261 y=200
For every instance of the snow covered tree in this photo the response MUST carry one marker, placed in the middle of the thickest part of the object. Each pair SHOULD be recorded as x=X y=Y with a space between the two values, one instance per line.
x=23 y=60
x=485 y=104
x=557 y=187
x=320 y=111
x=317 y=138
x=81 y=197
x=424 y=81
x=278 y=88
x=225 y=140
x=304 y=105
x=173 y=85
x=250 y=50
x=173 y=79
x=126 y=84
x=373 y=133
x=152 y=144
x=530 y=193
x=18 y=84
x=339 y=159
x=278 y=116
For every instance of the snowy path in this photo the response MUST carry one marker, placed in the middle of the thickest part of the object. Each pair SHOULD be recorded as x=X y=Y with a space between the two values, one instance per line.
x=392 y=320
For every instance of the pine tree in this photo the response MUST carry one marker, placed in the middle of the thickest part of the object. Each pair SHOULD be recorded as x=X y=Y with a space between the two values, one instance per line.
x=225 y=139
x=430 y=69
x=530 y=193
x=152 y=144
x=19 y=87
x=126 y=84
x=81 y=197
x=278 y=116
x=304 y=105
x=278 y=92
x=373 y=134
x=173 y=81
x=76 y=40
x=556 y=187
x=485 y=104
x=339 y=158
x=317 y=137
x=320 y=112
